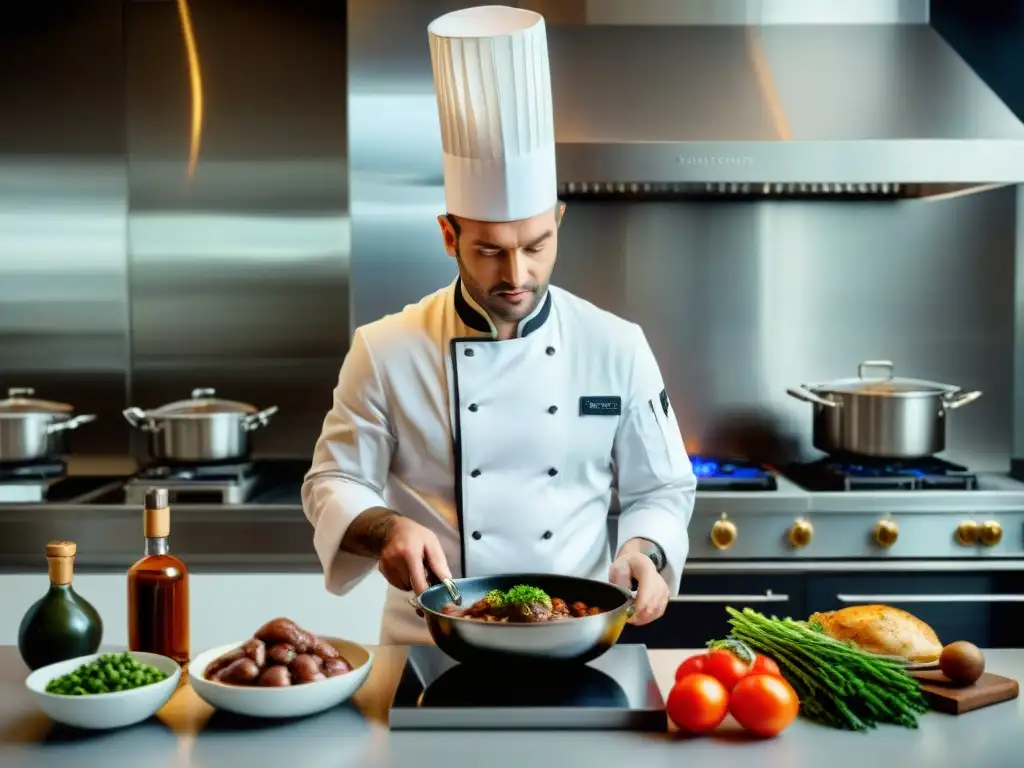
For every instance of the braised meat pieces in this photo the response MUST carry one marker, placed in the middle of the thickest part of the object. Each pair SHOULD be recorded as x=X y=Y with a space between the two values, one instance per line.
x=521 y=604
x=280 y=653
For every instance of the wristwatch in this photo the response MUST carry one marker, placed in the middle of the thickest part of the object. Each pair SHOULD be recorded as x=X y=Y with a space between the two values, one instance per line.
x=657 y=556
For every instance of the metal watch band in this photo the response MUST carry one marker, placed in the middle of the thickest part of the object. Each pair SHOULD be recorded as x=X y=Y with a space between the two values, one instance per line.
x=657 y=556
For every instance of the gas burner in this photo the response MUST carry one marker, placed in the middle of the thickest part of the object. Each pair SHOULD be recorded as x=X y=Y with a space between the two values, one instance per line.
x=195 y=483
x=32 y=472
x=235 y=471
x=715 y=474
x=860 y=474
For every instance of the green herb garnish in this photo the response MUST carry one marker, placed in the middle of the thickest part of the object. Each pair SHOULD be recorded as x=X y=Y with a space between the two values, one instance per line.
x=496 y=598
x=522 y=595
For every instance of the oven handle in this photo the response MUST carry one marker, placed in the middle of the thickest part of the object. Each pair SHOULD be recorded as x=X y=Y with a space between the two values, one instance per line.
x=767 y=597
x=891 y=599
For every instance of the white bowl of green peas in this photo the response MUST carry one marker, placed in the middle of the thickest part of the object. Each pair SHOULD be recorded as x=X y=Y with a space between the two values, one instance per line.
x=104 y=690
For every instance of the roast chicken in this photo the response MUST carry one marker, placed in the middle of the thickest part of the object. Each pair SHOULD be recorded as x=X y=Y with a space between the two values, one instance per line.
x=883 y=630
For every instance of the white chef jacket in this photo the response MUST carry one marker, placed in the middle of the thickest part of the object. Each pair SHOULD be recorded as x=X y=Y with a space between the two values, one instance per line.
x=507 y=450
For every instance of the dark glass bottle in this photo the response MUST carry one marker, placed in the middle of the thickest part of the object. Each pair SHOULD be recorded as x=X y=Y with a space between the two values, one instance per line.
x=158 y=602
x=62 y=624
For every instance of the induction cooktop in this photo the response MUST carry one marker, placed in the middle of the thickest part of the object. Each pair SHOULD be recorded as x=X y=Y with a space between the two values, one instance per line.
x=615 y=691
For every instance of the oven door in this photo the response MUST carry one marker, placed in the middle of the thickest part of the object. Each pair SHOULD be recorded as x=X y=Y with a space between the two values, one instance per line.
x=982 y=607
x=697 y=614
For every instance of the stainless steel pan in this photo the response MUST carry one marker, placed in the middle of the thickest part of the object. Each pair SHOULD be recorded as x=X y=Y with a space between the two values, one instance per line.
x=881 y=416
x=200 y=430
x=35 y=430
x=566 y=640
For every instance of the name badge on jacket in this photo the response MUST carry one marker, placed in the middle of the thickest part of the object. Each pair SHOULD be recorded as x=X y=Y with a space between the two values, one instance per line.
x=600 y=406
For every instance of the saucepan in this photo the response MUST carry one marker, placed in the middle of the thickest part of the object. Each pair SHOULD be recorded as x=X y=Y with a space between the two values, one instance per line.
x=882 y=416
x=200 y=430
x=575 y=640
x=34 y=430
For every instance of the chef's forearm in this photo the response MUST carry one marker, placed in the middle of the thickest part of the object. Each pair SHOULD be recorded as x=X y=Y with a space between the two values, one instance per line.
x=367 y=534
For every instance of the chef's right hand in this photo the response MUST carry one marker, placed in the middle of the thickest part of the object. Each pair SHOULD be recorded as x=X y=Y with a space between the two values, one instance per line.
x=408 y=549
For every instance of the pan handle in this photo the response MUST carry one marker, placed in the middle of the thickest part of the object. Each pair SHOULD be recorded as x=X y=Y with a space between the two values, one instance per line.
x=432 y=579
x=957 y=399
x=802 y=393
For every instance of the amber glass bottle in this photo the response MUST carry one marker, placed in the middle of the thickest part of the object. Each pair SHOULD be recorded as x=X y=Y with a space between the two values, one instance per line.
x=62 y=624
x=158 y=603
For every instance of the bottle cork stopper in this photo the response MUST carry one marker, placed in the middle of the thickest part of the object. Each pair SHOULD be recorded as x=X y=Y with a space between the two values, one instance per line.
x=157 y=518
x=60 y=558
x=61 y=549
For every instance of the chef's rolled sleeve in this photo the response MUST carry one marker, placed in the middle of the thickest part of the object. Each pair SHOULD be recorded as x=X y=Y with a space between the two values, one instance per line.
x=656 y=483
x=350 y=466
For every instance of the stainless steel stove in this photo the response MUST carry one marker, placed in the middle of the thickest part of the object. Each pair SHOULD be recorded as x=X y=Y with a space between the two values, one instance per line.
x=46 y=482
x=856 y=509
x=615 y=691
x=195 y=484
x=932 y=537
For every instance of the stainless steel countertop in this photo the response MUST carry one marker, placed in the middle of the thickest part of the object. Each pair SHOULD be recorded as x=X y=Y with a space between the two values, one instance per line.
x=187 y=732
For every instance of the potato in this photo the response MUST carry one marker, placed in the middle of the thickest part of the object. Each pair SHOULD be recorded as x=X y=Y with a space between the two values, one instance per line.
x=239 y=672
x=335 y=667
x=221 y=662
x=283 y=630
x=282 y=653
x=275 y=676
x=323 y=649
x=305 y=669
x=257 y=651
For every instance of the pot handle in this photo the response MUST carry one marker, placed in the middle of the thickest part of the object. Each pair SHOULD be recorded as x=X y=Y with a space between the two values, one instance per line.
x=890 y=369
x=259 y=420
x=138 y=419
x=802 y=393
x=955 y=400
x=72 y=423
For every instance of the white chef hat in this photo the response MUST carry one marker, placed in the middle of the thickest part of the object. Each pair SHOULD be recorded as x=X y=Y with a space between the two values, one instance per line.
x=493 y=89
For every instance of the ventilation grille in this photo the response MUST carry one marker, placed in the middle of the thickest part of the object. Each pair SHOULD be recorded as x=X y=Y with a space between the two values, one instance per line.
x=740 y=190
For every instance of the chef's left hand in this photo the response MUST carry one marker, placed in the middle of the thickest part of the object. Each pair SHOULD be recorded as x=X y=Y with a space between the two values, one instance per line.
x=652 y=590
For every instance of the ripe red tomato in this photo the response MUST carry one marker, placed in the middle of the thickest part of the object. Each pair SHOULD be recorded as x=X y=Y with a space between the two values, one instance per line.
x=726 y=667
x=764 y=666
x=692 y=666
x=698 y=703
x=764 y=704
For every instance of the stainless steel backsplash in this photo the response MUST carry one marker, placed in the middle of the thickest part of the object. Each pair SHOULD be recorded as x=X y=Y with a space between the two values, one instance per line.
x=124 y=280
x=738 y=300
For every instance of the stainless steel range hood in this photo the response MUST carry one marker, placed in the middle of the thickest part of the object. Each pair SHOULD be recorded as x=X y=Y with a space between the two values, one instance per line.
x=781 y=109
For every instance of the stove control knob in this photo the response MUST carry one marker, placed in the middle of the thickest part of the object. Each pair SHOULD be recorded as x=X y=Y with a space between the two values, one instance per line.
x=967 y=533
x=991 y=533
x=886 y=532
x=723 y=533
x=801 y=533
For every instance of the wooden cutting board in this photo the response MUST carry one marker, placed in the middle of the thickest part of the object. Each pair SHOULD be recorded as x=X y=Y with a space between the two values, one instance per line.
x=946 y=696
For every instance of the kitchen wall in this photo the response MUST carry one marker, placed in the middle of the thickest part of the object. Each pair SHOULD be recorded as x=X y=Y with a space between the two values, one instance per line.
x=63 y=210
x=173 y=200
x=738 y=300
x=175 y=209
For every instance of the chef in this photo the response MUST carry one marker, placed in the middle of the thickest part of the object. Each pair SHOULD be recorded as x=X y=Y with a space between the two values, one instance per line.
x=480 y=431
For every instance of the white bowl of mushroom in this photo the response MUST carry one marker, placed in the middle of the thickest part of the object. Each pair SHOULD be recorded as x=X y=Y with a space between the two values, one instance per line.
x=281 y=671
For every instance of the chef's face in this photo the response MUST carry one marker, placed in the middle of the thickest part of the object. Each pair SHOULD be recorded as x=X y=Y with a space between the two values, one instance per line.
x=505 y=266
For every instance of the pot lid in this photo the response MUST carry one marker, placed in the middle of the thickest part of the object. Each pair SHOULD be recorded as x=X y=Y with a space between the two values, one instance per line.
x=21 y=400
x=885 y=385
x=203 y=401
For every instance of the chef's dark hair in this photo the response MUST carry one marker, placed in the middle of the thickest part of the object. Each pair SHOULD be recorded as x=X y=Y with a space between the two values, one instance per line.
x=559 y=213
